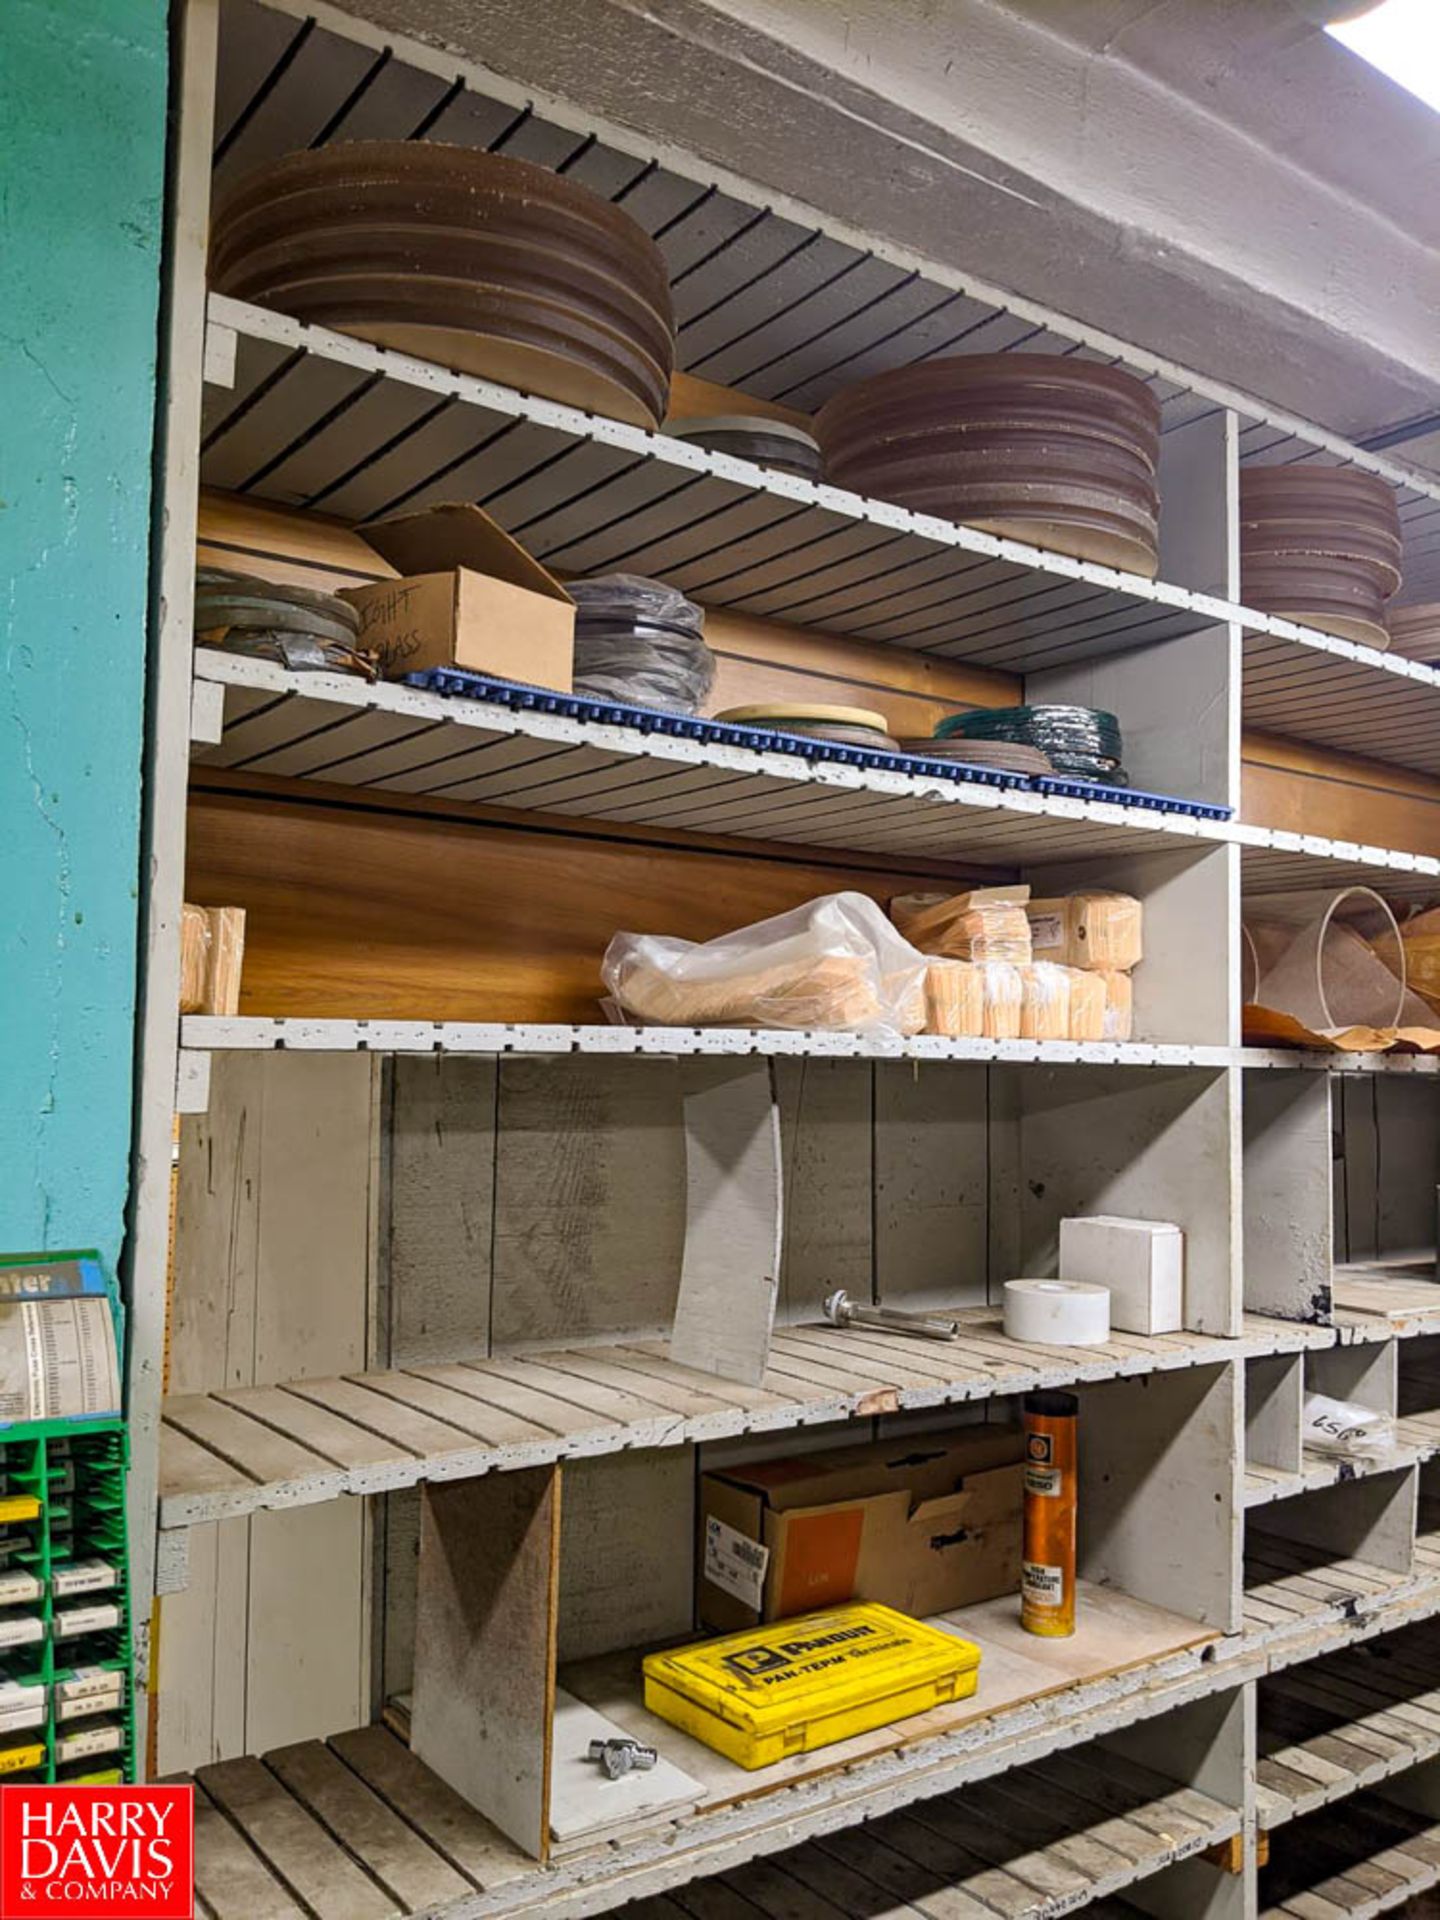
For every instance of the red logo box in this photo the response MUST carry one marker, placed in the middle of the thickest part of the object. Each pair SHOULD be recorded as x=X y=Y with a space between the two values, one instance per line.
x=101 y=1851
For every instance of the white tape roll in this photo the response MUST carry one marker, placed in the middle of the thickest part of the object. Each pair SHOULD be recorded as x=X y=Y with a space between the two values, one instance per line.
x=1057 y=1313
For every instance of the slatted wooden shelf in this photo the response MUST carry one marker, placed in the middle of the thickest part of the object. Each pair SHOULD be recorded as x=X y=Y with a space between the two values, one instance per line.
x=357 y=1826
x=400 y=739
x=1372 y=1303
x=1040 y=1841
x=1364 y=1857
x=771 y=298
x=314 y=418
x=247 y=1448
x=1292 y=1591
x=204 y=1033
x=1331 y=1727
x=317 y=419
x=1417 y=1438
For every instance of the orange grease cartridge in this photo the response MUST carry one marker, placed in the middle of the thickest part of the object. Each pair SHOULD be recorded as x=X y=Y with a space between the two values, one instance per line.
x=1047 y=1576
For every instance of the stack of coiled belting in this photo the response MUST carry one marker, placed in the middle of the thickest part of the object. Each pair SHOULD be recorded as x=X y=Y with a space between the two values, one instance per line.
x=1082 y=742
x=307 y=631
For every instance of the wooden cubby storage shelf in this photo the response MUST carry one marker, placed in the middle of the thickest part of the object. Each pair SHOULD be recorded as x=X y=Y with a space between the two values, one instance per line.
x=1068 y=1829
x=255 y=717
x=299 y=414
x=1332 y=1727
x=318 y=1807
x=1416 y=1439
x=1366 y=1858
x=243 y=1449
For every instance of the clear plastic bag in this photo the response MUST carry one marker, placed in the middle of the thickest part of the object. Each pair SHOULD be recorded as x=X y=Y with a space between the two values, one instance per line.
x=835 y=964
x=1044 y=1002
x=1345 y=1427
x=1088 y=1003
x=1004 y=995
x=955 y=999
x=640 y=642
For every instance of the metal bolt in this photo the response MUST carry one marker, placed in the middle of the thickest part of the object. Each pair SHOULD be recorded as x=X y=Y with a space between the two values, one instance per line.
x=842 y=1311
x=623 y=1756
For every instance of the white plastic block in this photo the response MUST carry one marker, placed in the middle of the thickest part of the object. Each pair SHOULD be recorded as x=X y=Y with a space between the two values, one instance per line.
x=1142 y=1262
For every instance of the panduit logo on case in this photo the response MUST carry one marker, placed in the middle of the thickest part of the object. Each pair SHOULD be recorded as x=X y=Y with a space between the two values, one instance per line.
x=101 y=1851
x=769 y=1663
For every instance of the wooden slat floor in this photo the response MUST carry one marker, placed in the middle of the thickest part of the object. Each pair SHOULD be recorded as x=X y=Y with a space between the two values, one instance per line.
x=1417 y=1438
x=1291 y=1589
x=1350 y=1862
x=357 y=1829
x=242 y=1449
x=1332 y=1727
x=1041 y=1841
x=1373 y=1304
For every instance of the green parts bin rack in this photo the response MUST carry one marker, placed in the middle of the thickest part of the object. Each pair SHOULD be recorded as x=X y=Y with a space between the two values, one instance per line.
x=67 y=1680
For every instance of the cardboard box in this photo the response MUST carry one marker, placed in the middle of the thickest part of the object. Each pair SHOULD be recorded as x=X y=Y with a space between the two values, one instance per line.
x=468 y=596
x=922 y=1526
x=1142 y=1262
x=1088 y=930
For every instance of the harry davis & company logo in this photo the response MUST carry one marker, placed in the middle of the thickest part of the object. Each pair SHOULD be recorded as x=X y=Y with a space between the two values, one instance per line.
x=101 y=1851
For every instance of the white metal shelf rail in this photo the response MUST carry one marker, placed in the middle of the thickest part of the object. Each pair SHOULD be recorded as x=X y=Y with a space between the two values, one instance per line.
x=203 y=1033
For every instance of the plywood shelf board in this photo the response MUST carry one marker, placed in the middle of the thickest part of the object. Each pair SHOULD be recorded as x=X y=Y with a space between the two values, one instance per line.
x=245 y=1449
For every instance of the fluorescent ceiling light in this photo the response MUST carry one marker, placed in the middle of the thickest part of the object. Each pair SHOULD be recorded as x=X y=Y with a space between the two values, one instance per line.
x=1402 y=39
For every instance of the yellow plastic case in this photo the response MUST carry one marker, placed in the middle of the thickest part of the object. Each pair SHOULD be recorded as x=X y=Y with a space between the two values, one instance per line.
x=794 y=1685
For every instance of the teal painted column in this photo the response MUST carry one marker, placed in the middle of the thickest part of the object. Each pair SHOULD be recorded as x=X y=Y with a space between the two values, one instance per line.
x=82 y=157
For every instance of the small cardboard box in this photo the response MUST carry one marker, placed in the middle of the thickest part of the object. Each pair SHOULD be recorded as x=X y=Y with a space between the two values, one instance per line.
x=1142 y=1262
x=920 y=1526
x=468 y=596
x=1088 y=930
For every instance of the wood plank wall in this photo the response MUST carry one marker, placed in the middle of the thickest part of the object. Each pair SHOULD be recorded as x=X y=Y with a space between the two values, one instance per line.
x=274 y=1279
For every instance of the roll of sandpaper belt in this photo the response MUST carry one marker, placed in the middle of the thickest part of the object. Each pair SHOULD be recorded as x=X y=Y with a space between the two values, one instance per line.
x=640 y=642
x=307 y=631
x=1082 y=742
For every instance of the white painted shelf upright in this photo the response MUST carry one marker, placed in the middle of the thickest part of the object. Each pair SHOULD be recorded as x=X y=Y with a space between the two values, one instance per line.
x=423 y=1269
